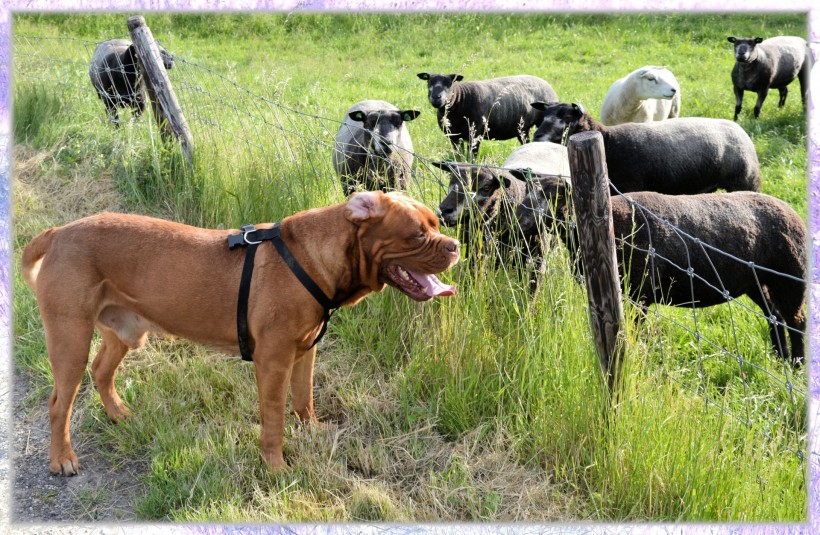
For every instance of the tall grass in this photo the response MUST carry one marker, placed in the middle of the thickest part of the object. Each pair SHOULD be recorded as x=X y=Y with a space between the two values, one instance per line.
x=488 y=405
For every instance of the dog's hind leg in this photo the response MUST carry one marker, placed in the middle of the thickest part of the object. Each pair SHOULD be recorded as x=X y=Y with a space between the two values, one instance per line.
x=301 y=386
x=112 y=351
x=68 y=341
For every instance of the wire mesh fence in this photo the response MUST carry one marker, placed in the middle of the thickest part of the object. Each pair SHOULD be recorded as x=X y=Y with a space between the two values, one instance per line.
x=258 y=159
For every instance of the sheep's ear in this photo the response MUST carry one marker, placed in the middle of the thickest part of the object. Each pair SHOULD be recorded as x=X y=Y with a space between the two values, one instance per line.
x=424 y=75
x=357 y=115
x=758 y=40
x=542 y=106
x=730 y=39
x=409 y=115
x=131 y=52
x=365 y=205
x=445 y=166
x=456 y=77
x=642 y=72
x=524 y=175
x=579 y=108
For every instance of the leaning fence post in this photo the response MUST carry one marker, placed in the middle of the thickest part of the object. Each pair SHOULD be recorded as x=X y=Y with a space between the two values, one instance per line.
x=590 y=199
x=164 y=102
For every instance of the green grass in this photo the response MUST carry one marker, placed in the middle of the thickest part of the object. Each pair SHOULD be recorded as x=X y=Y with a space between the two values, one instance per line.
x=488 y=405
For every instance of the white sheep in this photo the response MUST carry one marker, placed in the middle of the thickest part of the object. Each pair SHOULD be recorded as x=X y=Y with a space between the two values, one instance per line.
x=644 y=95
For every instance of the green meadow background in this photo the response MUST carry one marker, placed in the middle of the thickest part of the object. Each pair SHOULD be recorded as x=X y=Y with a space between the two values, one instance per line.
x=485 y=406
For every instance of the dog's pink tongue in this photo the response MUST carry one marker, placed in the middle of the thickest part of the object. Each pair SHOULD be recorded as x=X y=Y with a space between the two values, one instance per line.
x=433 y=286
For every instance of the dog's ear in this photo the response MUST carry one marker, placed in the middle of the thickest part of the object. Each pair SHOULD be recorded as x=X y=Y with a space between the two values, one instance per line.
x=365 y=205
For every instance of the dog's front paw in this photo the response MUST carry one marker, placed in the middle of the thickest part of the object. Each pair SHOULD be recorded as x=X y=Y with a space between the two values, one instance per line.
x=66 y=465
x=276 y=463
x=117 y=412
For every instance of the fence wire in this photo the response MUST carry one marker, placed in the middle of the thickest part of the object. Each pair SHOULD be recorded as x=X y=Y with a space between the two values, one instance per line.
x=237 y=130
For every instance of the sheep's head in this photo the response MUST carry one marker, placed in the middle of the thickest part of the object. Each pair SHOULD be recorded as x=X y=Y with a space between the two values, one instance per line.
x=560 y=121
x=471 y=186
x=544 y=204
x=655 y=82
x=438 y=87
x=167 y=58
x=383 y=127
x=745 y=51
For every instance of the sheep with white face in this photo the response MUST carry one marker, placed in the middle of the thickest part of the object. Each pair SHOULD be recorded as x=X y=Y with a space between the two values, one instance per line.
x=646 y=94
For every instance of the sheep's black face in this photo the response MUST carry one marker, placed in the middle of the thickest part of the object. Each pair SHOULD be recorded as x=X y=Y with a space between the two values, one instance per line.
x=167 y=58
x=451 y=208
x=557 y=117
x=543 y=205
x=439 y=86
x=384 y=127
x=745 y=51
x=471 y=187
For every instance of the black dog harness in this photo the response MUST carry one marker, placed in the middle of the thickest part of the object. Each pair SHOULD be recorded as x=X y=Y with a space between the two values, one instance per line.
x=252 y=237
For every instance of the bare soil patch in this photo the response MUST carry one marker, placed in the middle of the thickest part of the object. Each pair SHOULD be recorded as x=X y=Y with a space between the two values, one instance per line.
x=44 y=195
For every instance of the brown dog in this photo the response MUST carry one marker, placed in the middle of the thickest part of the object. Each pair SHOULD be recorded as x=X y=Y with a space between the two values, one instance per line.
x=129 y=275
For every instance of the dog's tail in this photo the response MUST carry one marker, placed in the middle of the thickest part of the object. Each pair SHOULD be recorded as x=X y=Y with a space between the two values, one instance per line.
x=33 y=256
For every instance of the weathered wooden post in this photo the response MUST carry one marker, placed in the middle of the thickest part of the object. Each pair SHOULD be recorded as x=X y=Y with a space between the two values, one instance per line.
x=590 y=200
x=164 y=102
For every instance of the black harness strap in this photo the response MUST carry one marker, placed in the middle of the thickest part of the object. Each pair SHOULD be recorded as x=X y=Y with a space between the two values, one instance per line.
x=252 y=237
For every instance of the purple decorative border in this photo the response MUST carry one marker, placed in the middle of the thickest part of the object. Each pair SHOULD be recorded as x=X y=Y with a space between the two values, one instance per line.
x=801 y=6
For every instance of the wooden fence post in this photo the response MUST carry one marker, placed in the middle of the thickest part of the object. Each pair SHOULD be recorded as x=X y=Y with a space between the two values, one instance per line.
x=593 y=212
x=164 y=102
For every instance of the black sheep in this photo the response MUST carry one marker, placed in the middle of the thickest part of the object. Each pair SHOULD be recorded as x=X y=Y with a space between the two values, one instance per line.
x=771 y=64
x=498 y=108
x=678 y=157
x=659 y=237
x=115 y=74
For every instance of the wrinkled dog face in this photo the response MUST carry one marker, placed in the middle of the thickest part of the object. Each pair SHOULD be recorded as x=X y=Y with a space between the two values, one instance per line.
x=438 y=87
x=745 y=48
x=384 y=127
x=401 y=238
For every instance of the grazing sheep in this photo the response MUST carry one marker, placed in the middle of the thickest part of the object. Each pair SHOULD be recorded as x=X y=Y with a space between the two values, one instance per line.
x=644 y=95
x=484 y=183
x=774 y=63
x=115 y=74
x=498 y=108
x=684 y=231
x=373 y=149
x=685 y=156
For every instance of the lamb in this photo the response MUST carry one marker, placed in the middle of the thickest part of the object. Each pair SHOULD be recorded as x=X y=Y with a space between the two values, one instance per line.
x=115 y=74
x=763 y=231
x=685 y=156
x=373 y=149
x=774 y=63
x=646 y=94
x=498 y=108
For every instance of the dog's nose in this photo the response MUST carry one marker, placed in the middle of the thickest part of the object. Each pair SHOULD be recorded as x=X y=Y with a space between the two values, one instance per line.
x=452 y=246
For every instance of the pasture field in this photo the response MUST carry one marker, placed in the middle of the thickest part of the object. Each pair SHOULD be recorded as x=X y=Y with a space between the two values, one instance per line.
x=485 y=406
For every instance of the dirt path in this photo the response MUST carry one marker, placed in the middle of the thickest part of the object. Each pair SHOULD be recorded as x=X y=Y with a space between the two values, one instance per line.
x=102 y=493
